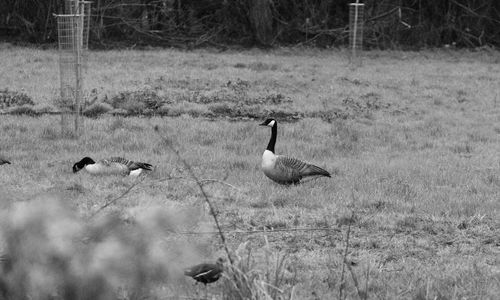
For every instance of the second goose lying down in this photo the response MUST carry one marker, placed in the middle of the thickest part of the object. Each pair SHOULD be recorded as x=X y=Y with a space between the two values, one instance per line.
x=112 y=166
x=206 y=273
x=284 y=169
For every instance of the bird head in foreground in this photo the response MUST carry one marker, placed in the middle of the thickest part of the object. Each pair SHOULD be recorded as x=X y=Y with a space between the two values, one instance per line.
x=82 y=163
x=220 y=262
x=269 y=122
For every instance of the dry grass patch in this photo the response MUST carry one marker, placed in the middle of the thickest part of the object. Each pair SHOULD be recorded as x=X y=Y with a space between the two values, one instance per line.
x=410 y=138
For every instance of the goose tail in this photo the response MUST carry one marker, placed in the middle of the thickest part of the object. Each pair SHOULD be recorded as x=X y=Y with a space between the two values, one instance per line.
x=313 y=170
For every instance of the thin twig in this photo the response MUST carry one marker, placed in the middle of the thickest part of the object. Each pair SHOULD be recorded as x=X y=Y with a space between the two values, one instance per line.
x=219 y=181
x=118 y=198
x=354 y=279
x=203 y=192
x=366 y=282
x=332 y=245
x=344 y=259
x=203 y=181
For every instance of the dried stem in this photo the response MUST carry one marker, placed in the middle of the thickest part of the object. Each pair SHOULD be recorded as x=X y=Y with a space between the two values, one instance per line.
x=354 y=279
x=200 y=185
x=203 y=181
x=344 y=259
x=366 y=282
x=108 y=203
x=346 y=250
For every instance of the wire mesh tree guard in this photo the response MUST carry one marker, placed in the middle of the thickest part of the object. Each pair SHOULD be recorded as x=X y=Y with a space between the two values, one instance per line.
x=73 y=33
x=356 y=21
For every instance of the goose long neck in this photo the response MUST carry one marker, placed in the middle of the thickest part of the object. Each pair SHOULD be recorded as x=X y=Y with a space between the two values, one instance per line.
x=272 y=141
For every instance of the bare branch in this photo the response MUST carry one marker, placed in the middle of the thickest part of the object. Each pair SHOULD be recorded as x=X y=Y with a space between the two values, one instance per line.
x=119 y=197
x=202 y=190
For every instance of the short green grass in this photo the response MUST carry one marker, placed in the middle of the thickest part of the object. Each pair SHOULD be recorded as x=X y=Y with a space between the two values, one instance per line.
x=413 y=148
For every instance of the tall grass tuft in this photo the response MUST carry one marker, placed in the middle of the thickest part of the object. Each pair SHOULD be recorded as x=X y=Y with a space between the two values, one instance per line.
x=49 y=133
x=247 y=279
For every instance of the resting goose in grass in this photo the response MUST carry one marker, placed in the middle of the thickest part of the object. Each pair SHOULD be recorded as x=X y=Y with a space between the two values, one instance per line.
x=112 y=166
x=3 y=161
x=284 y=169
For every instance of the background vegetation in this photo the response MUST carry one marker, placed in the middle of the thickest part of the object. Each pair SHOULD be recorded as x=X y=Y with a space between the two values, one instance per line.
x=192 y=23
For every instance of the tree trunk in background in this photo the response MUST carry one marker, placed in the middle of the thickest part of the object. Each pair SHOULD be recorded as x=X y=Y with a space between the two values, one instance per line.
x=261 y=19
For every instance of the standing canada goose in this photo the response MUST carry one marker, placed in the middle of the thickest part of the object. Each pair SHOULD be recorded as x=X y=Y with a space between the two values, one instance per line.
x=284 y=169
x=206 y=273
x=112 y=166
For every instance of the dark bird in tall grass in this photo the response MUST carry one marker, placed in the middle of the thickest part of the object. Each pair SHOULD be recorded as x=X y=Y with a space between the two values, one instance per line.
x=4 y=161
x=112 y=166
x=206 y=273
x=284 y=169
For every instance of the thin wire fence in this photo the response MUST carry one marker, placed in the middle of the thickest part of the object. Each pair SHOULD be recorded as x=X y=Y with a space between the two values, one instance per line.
x=73 y=33
x=256 y=231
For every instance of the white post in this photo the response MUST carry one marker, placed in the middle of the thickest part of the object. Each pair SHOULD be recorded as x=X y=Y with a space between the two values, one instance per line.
x=355 y=17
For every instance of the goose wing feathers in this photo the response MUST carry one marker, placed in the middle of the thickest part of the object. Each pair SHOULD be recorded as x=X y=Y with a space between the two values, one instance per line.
x=127 y=165
x=289 y=169
x=292 y=170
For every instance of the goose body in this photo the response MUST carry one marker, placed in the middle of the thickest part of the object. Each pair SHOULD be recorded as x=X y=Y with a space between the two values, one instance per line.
x=112 y=166
x=3 y=161
x=284 y=169
x=206 y=273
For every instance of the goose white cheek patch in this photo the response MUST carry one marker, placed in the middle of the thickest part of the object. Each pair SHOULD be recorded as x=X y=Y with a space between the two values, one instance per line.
x=271 y=124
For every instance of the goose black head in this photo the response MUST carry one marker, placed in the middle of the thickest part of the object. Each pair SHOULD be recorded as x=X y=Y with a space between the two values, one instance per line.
x=269 y=122
x=82 y=163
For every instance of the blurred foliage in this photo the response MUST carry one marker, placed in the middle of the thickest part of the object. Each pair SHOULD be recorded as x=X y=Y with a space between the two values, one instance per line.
x=324 y=23
x=48 y=252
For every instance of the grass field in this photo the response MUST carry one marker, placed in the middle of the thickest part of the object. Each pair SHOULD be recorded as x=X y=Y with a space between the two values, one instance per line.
x=411 y=138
